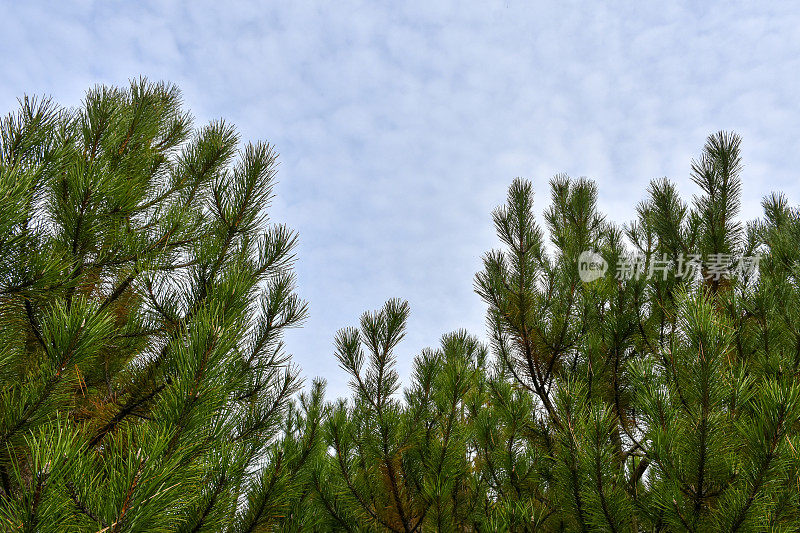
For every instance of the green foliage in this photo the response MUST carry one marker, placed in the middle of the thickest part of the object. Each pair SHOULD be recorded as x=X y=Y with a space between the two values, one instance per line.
x=663 y=400
x=144 y=384
x=143 y=295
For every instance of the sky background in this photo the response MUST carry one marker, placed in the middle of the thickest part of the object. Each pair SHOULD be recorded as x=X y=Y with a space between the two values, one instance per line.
x=400 y=125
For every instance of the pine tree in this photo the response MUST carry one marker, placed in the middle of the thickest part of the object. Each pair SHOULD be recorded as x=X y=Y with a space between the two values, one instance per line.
x=144 y=384
x=663 y=402
x=401 y=464
x=662 y=396
x=143 y=296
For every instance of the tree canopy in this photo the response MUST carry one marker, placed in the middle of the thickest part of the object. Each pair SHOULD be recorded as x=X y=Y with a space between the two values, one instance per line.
x=636 y=377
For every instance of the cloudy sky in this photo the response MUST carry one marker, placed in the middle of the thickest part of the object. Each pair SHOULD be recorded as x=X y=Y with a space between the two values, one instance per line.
x=401 y=127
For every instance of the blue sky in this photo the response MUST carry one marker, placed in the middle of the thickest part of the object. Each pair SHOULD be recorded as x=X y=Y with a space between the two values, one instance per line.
x=400 y=125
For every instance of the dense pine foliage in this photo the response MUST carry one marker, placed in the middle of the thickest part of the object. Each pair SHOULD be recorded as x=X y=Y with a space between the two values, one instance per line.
x=142 y=298
x=144 y=384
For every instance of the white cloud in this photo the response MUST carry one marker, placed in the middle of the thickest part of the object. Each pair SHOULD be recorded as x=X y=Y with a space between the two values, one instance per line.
x=400 y=128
